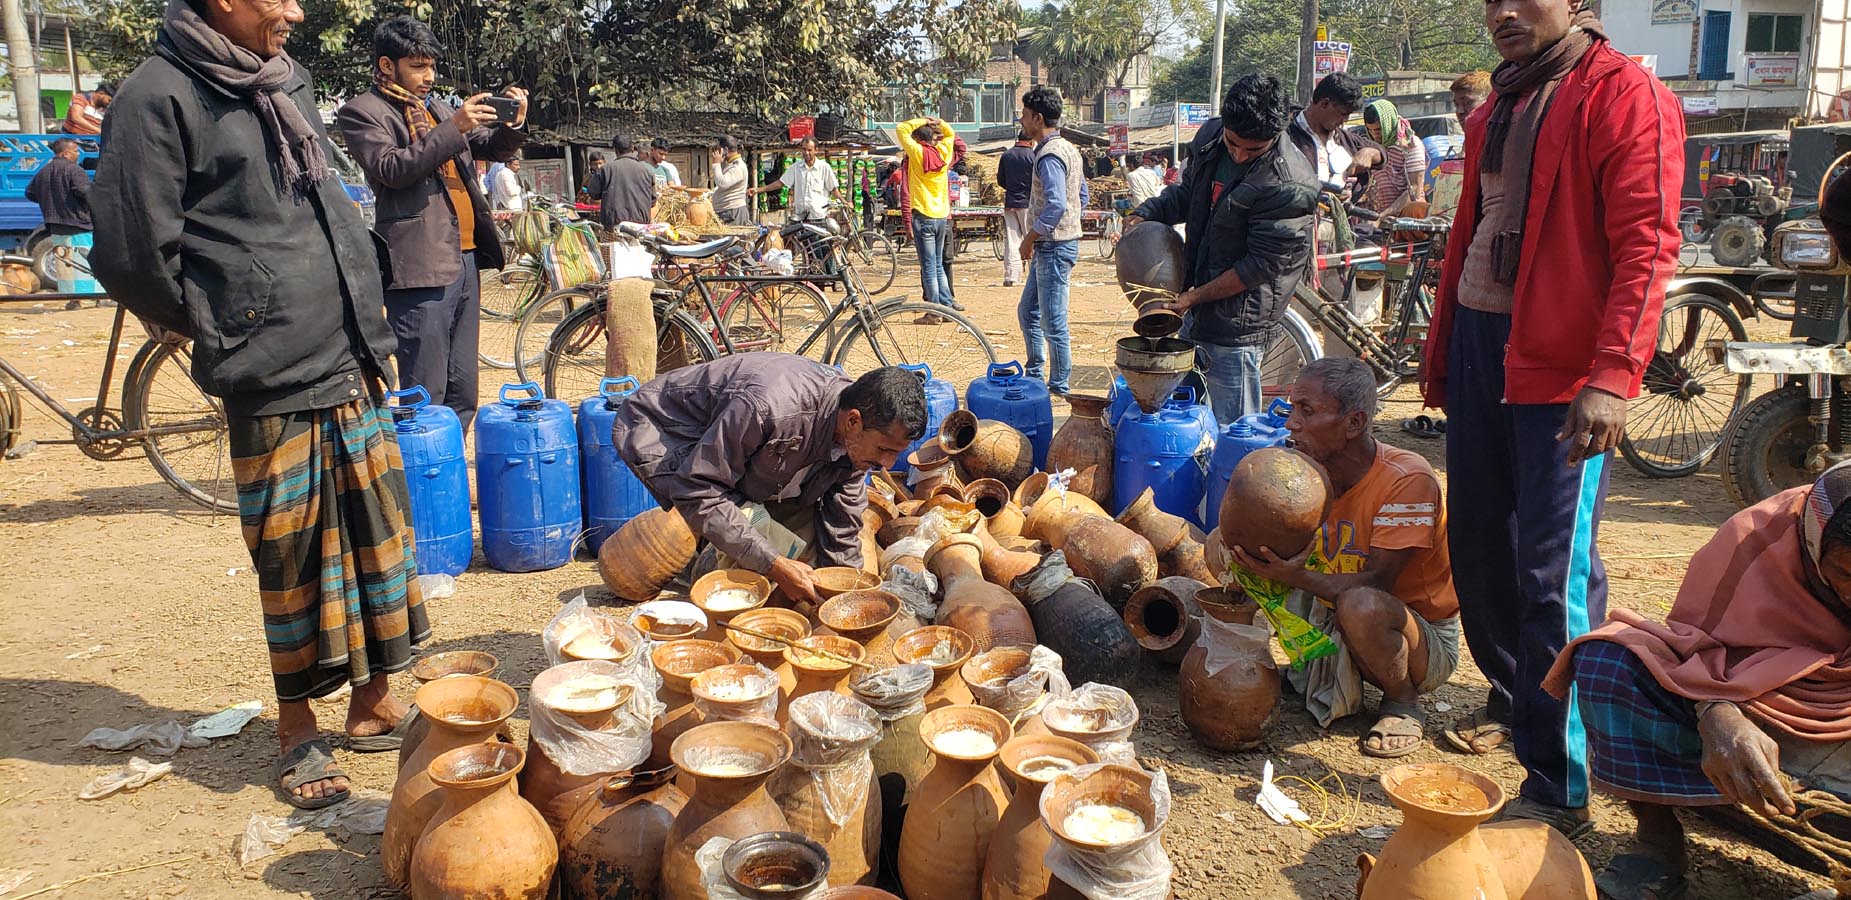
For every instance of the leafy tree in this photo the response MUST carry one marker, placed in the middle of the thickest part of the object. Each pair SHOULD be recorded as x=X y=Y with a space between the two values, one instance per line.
x=1090 y=44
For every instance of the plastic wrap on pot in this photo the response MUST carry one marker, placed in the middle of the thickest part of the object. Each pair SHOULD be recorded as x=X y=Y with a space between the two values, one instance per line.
x=830 y=738
x=1135 y=869
x=918 y=591
x=759 y=703
x=621 y=746
x=1100 y=716
x=579 y=631
x=896 y=691
x=1024 y=694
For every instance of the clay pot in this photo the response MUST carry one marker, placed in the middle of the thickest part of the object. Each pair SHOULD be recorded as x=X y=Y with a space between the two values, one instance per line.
x=820 y=674
x=989 y=613
x=1014 y=869
x=1234 y=707
x=662 y=632
x=855 y=892
x=700 y=211
x=1001 y=516
x=1437 y=852
x=1215 y=556
x=1165 y=619
x=893 y=531
x=1535 y=862
x=900 y=758
x=776 y=865
x=890 y=485
x=1046 y=512
x=740 y=692
x=1084 y=444
x=727 y=764
x=986 y=448
x=678 y=662
x=1113 y=785
x=1002 y=566
x=833 y=580
x=610 y=639
x=612 y=845
x=991 y=677
x=484 y=840
x=1178 y=543
x=955 y=812
x=831 y=738
x=931 y=466
x=918 y=646
x=870 y=550
x=864 y=617
x=1077 y=623
x=463 y=710
x=454 y=662
x=1109 y=555
x=756 y=588
x=542 y=781
x=880 y=509
x=1276 y=498
x=1093 y=714
x=646 y=553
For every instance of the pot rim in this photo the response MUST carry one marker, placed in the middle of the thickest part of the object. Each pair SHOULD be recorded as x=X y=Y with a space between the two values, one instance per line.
x=762 y=617
x=826 y=611
x=723 y=579
x=503 y=762
x=901 y=648
x=431 y=696
x=965 y=715
x=702 y=683
x=842 y=646
x=1024 y=747
x=954 y=423
x=1392 y=780
x=716 y=733
x=683 y=682
x=732 y=858
x=536 y=692
x=426 y=669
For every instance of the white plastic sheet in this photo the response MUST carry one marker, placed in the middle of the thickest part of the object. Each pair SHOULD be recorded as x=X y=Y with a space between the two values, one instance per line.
x=1024 y=694
x=134 y=774
x=895 y=692
x=162 y=739
x=831 y=736
x=1229 y=643
x=762 y=684
x=1098 y=715
x=1135 y=870
x=580 y=750
x=362 y=813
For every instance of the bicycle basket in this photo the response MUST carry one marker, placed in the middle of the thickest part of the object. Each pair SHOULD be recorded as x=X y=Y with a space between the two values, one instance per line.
x=572 y=258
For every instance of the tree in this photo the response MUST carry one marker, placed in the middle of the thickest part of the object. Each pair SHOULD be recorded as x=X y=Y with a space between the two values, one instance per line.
x=1091 y=44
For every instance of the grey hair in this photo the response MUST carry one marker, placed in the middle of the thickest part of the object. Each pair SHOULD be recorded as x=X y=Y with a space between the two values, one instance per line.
x=1347 y=380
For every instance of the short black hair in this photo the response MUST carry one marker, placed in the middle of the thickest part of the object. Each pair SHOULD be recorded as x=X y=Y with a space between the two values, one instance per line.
x=659 y=143
x=402 y=37
x=1255 y=107
x=808 y=141
x=62 y=144
x=727 y=142
x=107 y=88
x=1340 y=88
x=1045 y=102
x=622 y=144
x=888 y=396
x=926 y=134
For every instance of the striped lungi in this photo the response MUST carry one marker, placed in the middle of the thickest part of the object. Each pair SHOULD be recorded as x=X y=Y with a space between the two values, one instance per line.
x=324 y=506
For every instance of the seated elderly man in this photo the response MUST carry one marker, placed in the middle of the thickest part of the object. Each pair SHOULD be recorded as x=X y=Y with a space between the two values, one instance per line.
x=1377 y=579
x=788 y=434
x=1749 y=676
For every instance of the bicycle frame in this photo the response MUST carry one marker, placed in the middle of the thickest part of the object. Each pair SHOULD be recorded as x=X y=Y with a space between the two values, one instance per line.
x=853 y=297
x=87 y=435
x=1387 y=357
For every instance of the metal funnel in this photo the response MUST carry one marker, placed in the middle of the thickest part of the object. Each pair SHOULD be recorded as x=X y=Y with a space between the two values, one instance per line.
x=1153 y=367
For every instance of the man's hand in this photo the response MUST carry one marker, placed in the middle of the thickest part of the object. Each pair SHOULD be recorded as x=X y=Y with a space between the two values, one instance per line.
x=795 y=580
x=518 y=93
x=1028 y=246
x=1596 y=420
x=1264 y=563
x=1132 y=220
x=1742 y=761
x=474 y=114
x=1185 y=300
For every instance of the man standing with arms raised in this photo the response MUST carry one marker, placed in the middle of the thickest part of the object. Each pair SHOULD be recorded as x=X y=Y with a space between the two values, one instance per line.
x=929 y=147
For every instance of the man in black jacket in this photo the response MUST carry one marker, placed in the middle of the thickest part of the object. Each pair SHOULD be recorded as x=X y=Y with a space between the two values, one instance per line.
x=1247 y=200
x=219 y=220
x=62 y=190
x=625 y=187
x=419 y=158
x=1015 y=171
x=1336 y=153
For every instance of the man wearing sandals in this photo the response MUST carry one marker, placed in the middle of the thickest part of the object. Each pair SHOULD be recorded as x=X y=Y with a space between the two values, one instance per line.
x=218 y=219
x=1377 y=579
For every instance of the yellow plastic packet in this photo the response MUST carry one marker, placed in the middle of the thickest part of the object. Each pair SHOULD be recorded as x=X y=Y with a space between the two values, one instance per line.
x=1303 y=642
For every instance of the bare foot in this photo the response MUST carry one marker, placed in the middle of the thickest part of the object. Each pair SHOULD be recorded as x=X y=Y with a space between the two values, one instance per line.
x=373 y=710
x=295 y=725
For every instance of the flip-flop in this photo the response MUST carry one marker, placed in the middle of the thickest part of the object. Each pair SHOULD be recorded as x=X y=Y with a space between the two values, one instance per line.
x=1464 y=734
x=1439 y=427
x=1395 y=720
x=309 y=762
x=1634 y=876
x=389 y=742
x=1419 y=426
x=1559 y=818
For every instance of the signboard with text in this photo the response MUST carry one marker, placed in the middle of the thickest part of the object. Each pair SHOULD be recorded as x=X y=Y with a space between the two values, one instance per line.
x=1772 y=71
x=1196 y=114
x=1121 y=138
x=1375 y=88
x=1701 y=106
x=548 y=176
x=1328 y=57
x=1118 y=106
x=1674 y=12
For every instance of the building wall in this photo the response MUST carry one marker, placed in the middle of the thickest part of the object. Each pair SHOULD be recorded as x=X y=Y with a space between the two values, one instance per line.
x=1680 y=49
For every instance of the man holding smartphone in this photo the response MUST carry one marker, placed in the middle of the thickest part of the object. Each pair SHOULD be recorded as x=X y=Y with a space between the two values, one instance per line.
x=419 y=158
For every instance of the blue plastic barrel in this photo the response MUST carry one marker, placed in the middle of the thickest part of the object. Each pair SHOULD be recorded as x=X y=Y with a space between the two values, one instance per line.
x=1245 y=435
x=430 y=439
x=527 y=480
x=1121 y=400
x=613 y=493
x=941 y=401
x=1008 y=396
x=1167 y=451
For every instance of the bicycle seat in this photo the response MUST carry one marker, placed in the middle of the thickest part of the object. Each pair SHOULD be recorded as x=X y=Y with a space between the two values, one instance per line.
x=702 y=250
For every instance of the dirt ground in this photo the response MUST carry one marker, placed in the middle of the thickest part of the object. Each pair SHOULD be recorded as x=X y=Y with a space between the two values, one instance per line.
x=124 y=604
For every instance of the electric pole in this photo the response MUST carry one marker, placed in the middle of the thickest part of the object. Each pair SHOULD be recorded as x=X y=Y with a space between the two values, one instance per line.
x=23 y=60
x=1214 y=70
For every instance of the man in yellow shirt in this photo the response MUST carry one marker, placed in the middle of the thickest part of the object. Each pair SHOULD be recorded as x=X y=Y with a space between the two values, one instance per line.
x=928 y=144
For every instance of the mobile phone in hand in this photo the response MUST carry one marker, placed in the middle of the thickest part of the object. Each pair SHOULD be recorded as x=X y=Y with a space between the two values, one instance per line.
x=507 y=109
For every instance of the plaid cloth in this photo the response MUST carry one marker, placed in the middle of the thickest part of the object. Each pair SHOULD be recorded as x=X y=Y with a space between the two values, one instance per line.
x=1642 y=739
x=323 y=501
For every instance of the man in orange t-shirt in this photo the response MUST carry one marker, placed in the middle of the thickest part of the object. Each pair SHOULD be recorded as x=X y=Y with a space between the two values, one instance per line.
x=1377 y=578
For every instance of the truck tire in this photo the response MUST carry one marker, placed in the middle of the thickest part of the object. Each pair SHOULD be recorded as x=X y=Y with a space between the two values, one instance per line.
x=1737 y=241
x=1764 y=451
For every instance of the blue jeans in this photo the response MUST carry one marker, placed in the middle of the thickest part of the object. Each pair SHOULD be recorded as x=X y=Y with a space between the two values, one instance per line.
x=932 y=239
x=1044 y=297
x=1233 y=375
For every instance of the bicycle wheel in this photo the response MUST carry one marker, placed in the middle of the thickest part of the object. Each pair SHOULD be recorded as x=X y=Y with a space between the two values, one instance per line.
x=1689 y=396
x=574 y=365
x=913 y=333
x=875 y=259
x=1290 y=350
x=504 y=297
x=537 y=324
x=998 y=240
x=776 y=316
x=196 y=462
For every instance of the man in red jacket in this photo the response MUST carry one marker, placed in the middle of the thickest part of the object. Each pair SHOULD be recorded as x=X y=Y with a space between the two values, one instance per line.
x=1547 y=314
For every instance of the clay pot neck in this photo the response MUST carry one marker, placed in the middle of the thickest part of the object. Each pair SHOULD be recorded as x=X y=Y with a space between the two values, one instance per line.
x=1086 y=406
x=964 y=771
x=724 y=791
x=957 y=562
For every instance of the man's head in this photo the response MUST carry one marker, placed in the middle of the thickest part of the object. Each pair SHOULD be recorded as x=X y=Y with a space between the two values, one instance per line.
x=260 y=26
x=881 y=414
x=1333 y=404
x=926 y=134
x=622 y=144
x=66 y=148
x=1333 y=101
x=1021 y=138
x=727 y=146
x=1521 y=29
x=1040 y=112
x=597 y=161
x=405 y=50
x=658 y=150
x=103 y=94
x=808 y=148
x=1469 y=92
x=1253 y=113
x=514 y=165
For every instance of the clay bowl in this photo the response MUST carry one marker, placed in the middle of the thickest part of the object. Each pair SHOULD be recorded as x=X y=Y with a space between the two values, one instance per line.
x=1091 y=727
x=916 y=646
x=832 y=643
x=1443 y=790
x=546 y=690
x=834 y=580
x=991 y=670
x=1042 y=757
x=454 y=662
x=959 y=717
x=611 y=639
x=735 y=685
x=666 y=631
x=730 y=751
x=785 y=623
x=679 y=661
x=859 y=616
x=1114 y=785
x=706 y=593
x=894 y=530
x=775 y=865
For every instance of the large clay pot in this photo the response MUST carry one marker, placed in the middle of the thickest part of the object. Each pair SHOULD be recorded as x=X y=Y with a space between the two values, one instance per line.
x=1535 y=862
x=785 y=623
x=484 y=840
x=727 y=764
x=1046 y=512
x=931 y=467
x=833 y=580
x=955 y=812
x=988 y=612
x=1002 y=679
x=447 y=664
x=1108 y=554
x=646 y=553
x=678 y=662
x=542 y=781
x=1002 y=566
x=1178 y=544
x=1084 y=444
x=1101 y=716
x=893 y=531
x=775 y=865
x=723 y=594
x=880 y=509
x=1235 y=705
x=986 y=448
x=595 y=634
x=1165 y=619
x=944 y=649
x=1001 y=517
x=1014 y=869
x=864 y=617
x=1151 y=270
x=612 y=845
x=741 y=692
x=1276 y=499
x=817 y=673
x=1121 y=786
x=900 y=758
x=1074 y=621
x=464 y=710
x=828 y=791
x=1438 y=851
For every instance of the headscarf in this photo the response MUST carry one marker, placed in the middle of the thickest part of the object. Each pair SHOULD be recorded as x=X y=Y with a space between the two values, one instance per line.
x=1395 y=129
x=1824 y=503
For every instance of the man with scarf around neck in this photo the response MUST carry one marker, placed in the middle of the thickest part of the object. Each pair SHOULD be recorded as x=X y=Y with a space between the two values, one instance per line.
x=1547 y=314
x=419 y=158
x=218 y=220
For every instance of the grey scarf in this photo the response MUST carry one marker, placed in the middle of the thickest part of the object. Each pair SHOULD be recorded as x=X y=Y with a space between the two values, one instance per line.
x=244 y=73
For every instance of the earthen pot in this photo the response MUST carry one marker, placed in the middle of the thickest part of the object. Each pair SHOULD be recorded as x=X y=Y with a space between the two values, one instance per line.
x=816 y=673
x=462 y=711
x=611 y=640
x=1165 y=619
x=1233 y=707
x=1002 y=566
x=429 y=668
x=1122 y=786
x=776 y=865
x=1075 y=622
x=1437 y=852
x=986 y=448
x=891 y=485
x=833 y=580
x=931 y=466
x=1084 y=444
x=662 y=632
x=612 y=845
x=1077 y=716
x=1109 y=555
x=988 y=612
x=992 y=678
x=727 y=764
x=646 y=553
x=1178 y=543
x=864 y=617
x=1276 y=498
x=1535 y=862
x=832 y=735
x=741 y=692
x=954 y=814
x=1001 y=516
x=870 y=550
x=1014 y=869
x=910 y=508
x=893 y=531
x=542 y=781
x=678 y=662
x=1046 y=511
x=900 y=758
x=785 y=623
x=880 y=505
x=483 y=840
x=728 y=584
x=1215 y=555
x=920 y=646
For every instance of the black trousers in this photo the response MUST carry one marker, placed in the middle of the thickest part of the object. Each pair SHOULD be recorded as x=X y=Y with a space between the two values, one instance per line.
x=438 y=330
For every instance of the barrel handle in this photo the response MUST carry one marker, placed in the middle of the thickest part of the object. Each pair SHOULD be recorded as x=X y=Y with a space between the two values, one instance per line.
x=614 y=387
x=924 y=371
x=531 y=388
x=1280 y=407
x=1009 y=371
x=416 y=390
x=1185 y=393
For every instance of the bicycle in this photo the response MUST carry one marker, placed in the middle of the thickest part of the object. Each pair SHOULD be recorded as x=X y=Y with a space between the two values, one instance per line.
x=507 y=295
x=179 y=427
x=869 y=250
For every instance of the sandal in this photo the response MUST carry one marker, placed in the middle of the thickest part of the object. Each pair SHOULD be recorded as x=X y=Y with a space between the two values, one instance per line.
x=1477 y=733
x=384 y=743
x=1420 y=426
x=1573 y=822
x=1395 y=720
x=309 y=762
x=1635 y=876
